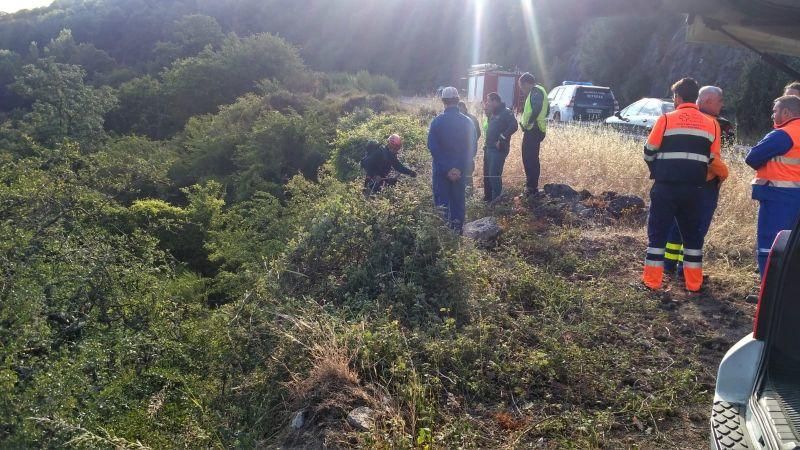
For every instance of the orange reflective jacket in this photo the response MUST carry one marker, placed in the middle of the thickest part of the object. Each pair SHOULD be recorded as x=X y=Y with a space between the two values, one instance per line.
x=784 y=170
x=717 y=168
x=682 y=145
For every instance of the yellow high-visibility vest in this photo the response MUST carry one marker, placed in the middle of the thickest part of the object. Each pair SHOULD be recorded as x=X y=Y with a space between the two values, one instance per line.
x=541 y=119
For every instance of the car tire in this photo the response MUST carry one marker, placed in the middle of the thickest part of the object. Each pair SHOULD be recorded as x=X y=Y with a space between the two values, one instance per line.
x=557 y=117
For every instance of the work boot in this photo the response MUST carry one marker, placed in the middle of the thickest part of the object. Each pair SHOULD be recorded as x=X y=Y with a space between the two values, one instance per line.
x=751 y=299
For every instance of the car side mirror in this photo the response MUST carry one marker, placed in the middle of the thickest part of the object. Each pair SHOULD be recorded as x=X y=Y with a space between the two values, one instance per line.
x=619 y=116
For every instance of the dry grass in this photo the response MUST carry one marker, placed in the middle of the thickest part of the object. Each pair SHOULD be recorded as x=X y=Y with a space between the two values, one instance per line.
x=600 y=159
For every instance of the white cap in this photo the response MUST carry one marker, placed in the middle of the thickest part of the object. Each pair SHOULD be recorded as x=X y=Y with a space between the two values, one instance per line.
x=449 y=93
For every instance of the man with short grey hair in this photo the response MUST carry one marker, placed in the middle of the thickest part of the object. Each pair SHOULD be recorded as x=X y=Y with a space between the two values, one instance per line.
x=776 y=185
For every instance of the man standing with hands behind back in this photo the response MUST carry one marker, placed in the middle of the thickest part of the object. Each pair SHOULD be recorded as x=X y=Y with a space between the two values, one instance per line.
x=534 y=127
x=452 y=141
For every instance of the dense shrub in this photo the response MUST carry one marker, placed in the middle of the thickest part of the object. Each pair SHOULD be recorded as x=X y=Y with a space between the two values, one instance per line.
x=378 y=103
x=361 y=81
x=199 y=84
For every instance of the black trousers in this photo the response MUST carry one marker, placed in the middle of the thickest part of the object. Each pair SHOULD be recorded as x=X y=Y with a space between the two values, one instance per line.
x=531 y=144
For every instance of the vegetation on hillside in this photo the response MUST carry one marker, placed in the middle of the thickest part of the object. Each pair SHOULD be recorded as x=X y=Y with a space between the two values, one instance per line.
x=156 y=53
x=187 y=260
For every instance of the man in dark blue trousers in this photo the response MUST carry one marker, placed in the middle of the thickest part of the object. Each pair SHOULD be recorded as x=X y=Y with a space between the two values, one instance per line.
x=776 y=186
x=452 y=141
x=710 y=102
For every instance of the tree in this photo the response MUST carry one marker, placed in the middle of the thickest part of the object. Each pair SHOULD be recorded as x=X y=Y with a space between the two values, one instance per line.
x=9 y=68
x=63 y=106
x=141 y=109
x=200 y=84
x=63 y=49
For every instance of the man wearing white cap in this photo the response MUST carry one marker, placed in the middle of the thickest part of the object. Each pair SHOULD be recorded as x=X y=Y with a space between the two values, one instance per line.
x=452 y=140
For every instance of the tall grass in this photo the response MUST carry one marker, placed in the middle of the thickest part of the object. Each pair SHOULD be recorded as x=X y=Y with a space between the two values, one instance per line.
x=599 y=158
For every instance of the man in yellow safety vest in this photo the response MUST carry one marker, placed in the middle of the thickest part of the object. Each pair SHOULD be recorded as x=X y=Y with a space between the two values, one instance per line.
x=534 y=127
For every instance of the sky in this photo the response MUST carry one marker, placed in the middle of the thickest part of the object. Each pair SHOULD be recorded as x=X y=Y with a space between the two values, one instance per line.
x=15 y=5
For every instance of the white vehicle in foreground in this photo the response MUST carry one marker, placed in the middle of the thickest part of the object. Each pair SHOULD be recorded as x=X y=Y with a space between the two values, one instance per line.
x=757 y=397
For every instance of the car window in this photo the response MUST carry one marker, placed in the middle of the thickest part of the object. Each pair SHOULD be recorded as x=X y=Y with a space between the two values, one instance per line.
x=556 y=92
x=594 y=96
x=651 y=108
x=634 y=109
x=566 y=93
x=667 y=107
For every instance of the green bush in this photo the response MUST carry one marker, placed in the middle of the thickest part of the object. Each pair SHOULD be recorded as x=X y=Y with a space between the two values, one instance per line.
x=362 y=81
x=378 y=103
x=183 y=232
x=377 y=84
x=131 y=168
x=277 y=148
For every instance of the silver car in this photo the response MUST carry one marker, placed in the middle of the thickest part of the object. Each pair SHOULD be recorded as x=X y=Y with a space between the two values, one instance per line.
x=640 y=116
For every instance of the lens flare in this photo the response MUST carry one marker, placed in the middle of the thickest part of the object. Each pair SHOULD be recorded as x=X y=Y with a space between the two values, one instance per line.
x=534 y=41
x=479 y=7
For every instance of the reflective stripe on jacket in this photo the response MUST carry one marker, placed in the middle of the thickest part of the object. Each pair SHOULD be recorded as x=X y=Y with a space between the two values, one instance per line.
x=682 y=145
x=783 y=170
x=527 y=113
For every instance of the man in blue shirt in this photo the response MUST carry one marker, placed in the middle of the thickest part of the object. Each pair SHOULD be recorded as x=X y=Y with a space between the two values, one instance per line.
x=452 y=141
x=777 y=183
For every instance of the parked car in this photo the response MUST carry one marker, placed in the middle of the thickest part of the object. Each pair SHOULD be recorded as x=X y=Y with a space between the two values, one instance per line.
x=581 y=101
x=641 y=115
x=757 y=396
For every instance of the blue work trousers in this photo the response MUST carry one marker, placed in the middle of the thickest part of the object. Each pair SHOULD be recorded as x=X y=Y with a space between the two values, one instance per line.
x=450 y=198
x=494 y=161
x=778 y=210
x=709 y=199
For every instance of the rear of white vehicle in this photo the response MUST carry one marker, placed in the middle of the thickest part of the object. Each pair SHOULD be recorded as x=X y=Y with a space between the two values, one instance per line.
x=757 y=397
x=581 y=102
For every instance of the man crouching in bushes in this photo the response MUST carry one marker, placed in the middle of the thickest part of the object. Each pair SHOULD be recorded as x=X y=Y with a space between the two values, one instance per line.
x=379 y=162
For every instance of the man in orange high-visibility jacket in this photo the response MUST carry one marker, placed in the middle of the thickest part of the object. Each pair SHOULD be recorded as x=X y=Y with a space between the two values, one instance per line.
x=777 y=183
x=679 y=151
x=710 y=101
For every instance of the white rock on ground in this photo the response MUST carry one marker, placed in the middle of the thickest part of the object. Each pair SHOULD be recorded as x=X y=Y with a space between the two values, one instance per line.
x=299 y=420
x=361 y=418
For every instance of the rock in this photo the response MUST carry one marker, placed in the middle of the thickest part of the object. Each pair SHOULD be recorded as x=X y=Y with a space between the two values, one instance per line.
x=562 y=191
x=608 y=195
x=625 y=205
x=584 y=195
x=485 y=230
x=299 y=420
x=361 y=418
x=582 y=211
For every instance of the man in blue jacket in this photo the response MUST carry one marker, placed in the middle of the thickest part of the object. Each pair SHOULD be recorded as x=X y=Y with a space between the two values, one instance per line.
x=452 y=141
x=502 y=124
x=776 y=186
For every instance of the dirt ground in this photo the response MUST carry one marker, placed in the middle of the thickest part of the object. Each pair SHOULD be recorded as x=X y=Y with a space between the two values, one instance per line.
x=707 y=324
